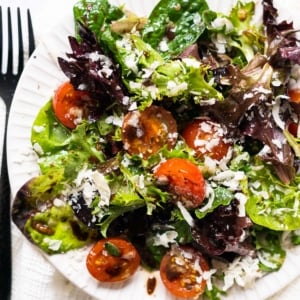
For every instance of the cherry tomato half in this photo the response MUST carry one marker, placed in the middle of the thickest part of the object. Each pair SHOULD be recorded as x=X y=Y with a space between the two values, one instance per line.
x=183 y=179
x=145 y=132
x=112 y=260
x=294 y=95
x=206 y=138
x=294 y=129
x=71 y=106
x=181 y=271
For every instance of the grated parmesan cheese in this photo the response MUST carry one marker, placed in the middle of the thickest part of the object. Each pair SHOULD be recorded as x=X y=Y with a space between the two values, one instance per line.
x=243 y=271
x=166 y=238
x=38 y=129
x=53 y=245
x=186 y=215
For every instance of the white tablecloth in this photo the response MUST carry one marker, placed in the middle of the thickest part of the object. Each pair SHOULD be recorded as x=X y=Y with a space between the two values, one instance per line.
x=33 y=277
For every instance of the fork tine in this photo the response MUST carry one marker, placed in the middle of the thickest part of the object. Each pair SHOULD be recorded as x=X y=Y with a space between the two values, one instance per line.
x=30 y=34
x=9 y=65
x=20 y=41
x=12 y=33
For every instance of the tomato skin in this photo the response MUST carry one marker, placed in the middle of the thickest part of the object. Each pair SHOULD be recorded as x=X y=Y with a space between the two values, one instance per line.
x=178 y=272
x=184 y=179
x=294 y=95
x=145 y=132
x=70 y=105
x=206 y=138
x=294 y=129
x=106 y=267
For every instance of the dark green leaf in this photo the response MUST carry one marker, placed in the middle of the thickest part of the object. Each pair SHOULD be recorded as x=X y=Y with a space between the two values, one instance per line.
x=181 y=18
x=222 y=196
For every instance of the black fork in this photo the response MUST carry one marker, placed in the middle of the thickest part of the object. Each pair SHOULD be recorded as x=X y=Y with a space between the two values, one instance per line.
x=8 y=82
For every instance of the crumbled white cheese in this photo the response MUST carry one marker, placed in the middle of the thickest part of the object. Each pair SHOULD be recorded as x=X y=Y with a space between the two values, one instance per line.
x=125 y=100
x=135 y=85
x=114 y=120
x=242 y=201
x=133 y=106
x=186 y=215
x=75 y=112
x=220 y=42
x=58 y=202
x=165 y=239
x=151 y=90
x=163 y=45
x=222 y=22
x=125 y=161
x=210 y=164
x=141 y=181
x=134 y=119
x=210 y=195
x=197 y=19
x=276 y=112
x=230 y=179
x=191 y=62
x=175 y=88
x=263 y=258
x=207 y=276
x=37 y=148
x=92 y=183
x=131 y=62
x=38 y=129
x=53 y=245
x=243 y=271
x=82 y=87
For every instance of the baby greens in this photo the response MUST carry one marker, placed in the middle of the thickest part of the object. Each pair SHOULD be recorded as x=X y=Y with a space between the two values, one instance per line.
x=193 y=63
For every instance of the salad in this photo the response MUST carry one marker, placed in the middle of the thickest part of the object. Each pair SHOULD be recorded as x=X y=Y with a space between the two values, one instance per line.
x=173 y=145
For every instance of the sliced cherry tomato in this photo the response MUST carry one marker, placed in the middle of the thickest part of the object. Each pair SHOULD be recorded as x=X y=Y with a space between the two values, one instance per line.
x=112 y=260
x=294 y=129
x=181 y=271
x=183 y=179
x=145 y=132
x=206 y=138
x=72 y=106
x=294 y=95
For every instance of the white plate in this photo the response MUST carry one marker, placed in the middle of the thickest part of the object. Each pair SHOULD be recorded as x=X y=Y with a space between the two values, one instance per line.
x=39 y=79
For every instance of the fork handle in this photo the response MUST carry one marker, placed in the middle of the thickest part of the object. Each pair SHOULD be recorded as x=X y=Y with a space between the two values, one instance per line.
x=5 y=229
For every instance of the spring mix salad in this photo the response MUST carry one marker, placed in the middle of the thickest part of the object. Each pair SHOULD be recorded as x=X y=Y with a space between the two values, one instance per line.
x=173 y=144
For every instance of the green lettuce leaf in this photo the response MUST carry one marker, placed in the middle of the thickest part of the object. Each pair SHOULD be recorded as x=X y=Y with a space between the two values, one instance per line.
x=271 y=203
x=183 y=19
x=149 y=77
x=222 y=196
x=238 y=31
x=62 y=152
x=270 y=251
x=95 y=14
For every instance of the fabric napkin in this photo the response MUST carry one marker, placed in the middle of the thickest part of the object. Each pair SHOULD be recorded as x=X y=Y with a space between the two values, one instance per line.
x=34 y=278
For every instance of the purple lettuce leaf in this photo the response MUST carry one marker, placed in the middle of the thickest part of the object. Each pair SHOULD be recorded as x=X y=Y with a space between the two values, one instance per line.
x=282 y=45
x=224 y=231
x=89 y=69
